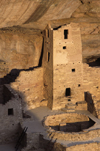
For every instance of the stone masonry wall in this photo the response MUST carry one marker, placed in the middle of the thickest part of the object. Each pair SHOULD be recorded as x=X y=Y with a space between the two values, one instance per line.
x=29 y=85
x=10 y=116
x=48 y=66
x=91 y=80
x=90 y=103
x=67 y=67
x=32 y=141
x=85 y=135
x=82 y=147
x=55 y=120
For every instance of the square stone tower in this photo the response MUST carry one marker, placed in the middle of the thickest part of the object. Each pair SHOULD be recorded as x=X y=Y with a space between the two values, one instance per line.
x=62 y=65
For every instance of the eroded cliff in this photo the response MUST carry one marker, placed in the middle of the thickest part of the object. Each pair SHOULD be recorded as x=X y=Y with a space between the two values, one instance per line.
x=22 y=23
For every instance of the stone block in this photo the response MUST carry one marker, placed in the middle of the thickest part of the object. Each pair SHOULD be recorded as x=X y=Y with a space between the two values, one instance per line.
x=81 y=106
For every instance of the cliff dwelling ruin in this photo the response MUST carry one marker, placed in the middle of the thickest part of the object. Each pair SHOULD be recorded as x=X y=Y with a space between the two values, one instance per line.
x=49 y=75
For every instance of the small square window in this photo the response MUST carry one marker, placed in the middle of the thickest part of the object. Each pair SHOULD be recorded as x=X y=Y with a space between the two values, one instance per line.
x=64 y=47
x=10 y=111
x=73 y=70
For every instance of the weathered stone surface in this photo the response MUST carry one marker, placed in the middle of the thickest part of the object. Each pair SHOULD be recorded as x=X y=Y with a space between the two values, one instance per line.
x=9 y=121
x=91 y=31
x=88 y=8
x=19 y=49
x=24 y=44
x=88 y=146
x=55 y=120
x=91 y=46
x=29 y=85
x=25 y=11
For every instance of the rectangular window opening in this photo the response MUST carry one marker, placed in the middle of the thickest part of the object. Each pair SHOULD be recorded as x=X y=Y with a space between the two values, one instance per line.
x=73 y=70
x=66 y=34
x=64 y=47
x=68 y=92
x=10 y=111
x=48 y=56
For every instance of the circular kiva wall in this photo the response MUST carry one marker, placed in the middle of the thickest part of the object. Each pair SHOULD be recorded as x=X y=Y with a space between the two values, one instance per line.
x=71 y=126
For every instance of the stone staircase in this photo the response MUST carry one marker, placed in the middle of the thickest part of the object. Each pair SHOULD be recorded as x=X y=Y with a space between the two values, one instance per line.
x=1 y=94
x=71 y=107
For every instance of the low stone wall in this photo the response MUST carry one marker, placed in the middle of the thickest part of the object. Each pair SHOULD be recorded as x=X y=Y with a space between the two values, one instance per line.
x=32 y=141
x=44 y=142
x=10 y=116
x=81 y=147
x=91 y=80
x=55 y=120
x=93 y=104
x=90 y=103
x=86 y=135
x=59 y=147
x=29 y=85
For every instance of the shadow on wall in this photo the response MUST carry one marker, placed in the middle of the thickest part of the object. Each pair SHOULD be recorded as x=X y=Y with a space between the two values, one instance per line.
x=74 y=127
x=12 y=106
x=12 y=114
x=95 y=63
x=14 y=73
x=11 y=77
x=90 y=103
x=15 y=120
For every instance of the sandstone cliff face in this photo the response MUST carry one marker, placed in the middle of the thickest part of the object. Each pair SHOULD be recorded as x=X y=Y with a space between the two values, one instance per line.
x=90 y=30
x=19 y=49
x=89 y=8
x=17 y=12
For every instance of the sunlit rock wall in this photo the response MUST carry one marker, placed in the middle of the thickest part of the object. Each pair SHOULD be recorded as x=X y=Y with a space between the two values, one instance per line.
x=17 y=12
x=19 y=49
